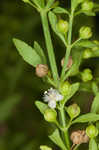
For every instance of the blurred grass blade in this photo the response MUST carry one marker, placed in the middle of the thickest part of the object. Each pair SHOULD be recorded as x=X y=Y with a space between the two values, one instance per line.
x=7 y=106
x=93 y=144
x=95 y=104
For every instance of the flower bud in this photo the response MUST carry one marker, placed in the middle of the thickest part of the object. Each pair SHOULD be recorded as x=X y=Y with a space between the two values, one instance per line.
x=87 y=6
x=87 y=53
x=86 y=75
x=85 y=32
x=44 y=147
x=70 y=62
x=91 y=131
x=50 y=115
x=79 y=137
x=41 y=70
x=62 y=26
x=73 y=111
x=65 y=88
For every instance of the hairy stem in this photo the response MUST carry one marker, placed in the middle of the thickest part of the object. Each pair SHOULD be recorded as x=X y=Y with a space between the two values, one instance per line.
x=49 y=46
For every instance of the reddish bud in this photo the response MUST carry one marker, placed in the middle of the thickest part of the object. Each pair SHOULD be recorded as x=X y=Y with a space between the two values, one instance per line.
x=41 y=70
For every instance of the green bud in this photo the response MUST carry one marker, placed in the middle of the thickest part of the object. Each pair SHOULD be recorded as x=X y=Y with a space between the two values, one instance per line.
x=44 y=147
x=62 y=26
x=50 y=115
x=91 y=131
x=73 y=111
x=65 y=88
x=86 y=75
x=87 y=53
x=85 y=32
x=87 y=6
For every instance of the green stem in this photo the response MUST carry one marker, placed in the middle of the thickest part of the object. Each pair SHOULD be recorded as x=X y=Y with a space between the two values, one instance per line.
x=69 y=47
x=49 y=45
x=66 y=137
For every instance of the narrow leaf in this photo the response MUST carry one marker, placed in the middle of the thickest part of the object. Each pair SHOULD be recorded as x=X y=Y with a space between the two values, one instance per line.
x=27 y=52
x=95 y=104
x=55 y=137
x=53 y=22
x=60 y=10
x=89 y=117
x=93 y=145
x=86 y=44
x=40 y=52
x=41 y=106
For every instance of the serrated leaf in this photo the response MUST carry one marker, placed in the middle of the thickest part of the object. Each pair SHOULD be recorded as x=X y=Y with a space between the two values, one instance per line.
x=55 y=137
x=93 y=144
x=41 y=106
x=27 y=52
x=53 y=22
x=74 y=89
x=95 y=104
x=7 y=106
x=89 y=117
x=86 y=44
x=60 y=10
x=40 y=52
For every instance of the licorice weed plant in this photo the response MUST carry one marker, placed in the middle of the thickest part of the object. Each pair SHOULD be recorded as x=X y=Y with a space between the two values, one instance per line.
x=54 y=105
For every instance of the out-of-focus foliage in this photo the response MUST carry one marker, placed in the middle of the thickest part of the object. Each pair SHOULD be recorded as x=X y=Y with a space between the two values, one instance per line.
x=21 y=126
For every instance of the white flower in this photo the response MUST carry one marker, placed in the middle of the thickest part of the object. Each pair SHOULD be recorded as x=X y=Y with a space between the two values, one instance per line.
x=52 y=96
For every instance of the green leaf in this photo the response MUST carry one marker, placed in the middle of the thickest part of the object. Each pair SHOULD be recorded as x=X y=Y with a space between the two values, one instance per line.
x=53 y=22
x=27 y=52
x=95 y=104
x=93 y=145
x=75 y=3
x=55 y=137
x=89 y=13
x=86 y=44
x=41 y=106
x=60 y=10
x=40 y=52
x=6 y=107
x=49 y=3
x=89 y=117
x=74 y=89
x=85 y=86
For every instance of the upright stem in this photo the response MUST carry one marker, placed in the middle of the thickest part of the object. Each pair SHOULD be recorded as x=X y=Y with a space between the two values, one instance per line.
x=69 y=47
x=66 y=137
x=49 y=45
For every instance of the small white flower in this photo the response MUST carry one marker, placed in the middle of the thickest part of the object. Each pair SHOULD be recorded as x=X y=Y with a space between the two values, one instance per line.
x=52 y=96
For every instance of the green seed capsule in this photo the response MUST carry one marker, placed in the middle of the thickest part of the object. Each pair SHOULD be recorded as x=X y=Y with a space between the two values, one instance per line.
x=65 y=88
x=73 y=111
x=85 y=32
x=86 y=75
x=87 y=53
x=87 y=6
x=50 y=115
x=91 y=131
x=62 y=26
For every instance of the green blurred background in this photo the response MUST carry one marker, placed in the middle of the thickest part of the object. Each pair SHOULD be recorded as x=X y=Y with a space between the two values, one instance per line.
x=21 y=125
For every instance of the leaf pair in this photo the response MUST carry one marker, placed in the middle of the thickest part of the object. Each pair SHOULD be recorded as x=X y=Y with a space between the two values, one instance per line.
x=30 y=55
